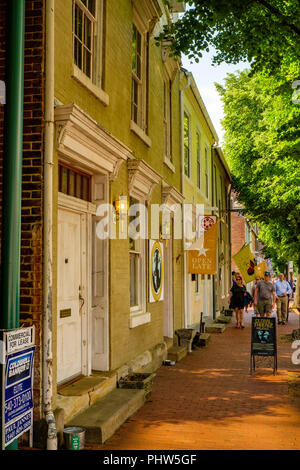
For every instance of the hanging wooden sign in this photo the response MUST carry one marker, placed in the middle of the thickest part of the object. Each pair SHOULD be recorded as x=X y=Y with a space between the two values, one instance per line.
x=203 y=259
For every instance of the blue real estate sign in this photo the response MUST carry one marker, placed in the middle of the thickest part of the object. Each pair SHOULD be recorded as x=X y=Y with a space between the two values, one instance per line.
x=17 y=384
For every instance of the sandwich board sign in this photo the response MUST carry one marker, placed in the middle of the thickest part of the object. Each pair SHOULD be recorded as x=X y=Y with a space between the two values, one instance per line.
x=263 y=340
x=17 y=383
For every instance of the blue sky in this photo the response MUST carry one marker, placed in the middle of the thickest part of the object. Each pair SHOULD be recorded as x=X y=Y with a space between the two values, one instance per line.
x=205 y=76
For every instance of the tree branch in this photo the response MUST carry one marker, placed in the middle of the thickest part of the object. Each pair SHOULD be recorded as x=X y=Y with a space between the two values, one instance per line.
x=279 y=15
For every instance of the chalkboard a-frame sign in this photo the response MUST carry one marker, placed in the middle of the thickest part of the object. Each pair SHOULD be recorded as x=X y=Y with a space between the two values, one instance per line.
x=263 y=340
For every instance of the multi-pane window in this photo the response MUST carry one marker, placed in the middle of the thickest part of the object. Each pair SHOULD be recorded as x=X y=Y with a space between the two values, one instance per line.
x=88 y=41
x=74 y=183
x=215 y=198
x=84 y=24
x=198 y=143
x=139 y=77
x=206 y=173
x=187 y=150
x=136 y=259
x=168 y=118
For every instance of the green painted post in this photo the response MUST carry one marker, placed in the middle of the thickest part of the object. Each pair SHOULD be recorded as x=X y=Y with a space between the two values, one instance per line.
x=12 y=170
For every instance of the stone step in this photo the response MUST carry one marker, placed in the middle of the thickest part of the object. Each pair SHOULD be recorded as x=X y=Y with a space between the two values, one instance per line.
x=106 y=416
x=204 y=339
x=223 y=319
x=75 y=397
x=215 y=328
x=176 y=353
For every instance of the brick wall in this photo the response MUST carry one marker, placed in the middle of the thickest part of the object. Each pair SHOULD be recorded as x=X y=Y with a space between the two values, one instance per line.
x=31 y=235
x=237 y=236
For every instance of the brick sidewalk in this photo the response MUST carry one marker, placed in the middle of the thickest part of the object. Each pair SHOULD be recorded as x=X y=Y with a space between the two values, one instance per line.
x=209 y=401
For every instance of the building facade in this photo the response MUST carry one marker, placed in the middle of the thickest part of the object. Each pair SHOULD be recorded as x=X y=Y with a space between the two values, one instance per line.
x=116 y=142
x=116 y=139
x=206 y=184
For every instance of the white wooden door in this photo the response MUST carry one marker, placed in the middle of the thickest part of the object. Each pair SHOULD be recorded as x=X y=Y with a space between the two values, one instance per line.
x=69 y=325
x=100 y=267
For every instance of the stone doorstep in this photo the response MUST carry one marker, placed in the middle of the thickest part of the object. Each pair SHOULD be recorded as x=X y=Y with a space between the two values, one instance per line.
x=106 y=416
x=84 y=392
x=204 y=339
x=223 y=319
x=176 y=353
x=215 y=328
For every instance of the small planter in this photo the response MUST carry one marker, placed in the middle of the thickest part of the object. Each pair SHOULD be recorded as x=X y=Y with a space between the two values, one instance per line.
x=185 y=337
x=140 y=381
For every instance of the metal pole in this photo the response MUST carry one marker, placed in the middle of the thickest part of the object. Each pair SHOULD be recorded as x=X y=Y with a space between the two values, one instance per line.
x=12 y=170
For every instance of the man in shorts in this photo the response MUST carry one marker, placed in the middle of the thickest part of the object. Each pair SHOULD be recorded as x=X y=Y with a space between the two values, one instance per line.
x=265 y=292
x=256 y=281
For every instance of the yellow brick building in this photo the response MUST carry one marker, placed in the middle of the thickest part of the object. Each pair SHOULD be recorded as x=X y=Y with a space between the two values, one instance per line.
x=205 y=181
x=117 y=141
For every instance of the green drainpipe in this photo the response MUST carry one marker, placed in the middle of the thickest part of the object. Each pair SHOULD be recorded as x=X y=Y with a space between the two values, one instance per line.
x=12 y=171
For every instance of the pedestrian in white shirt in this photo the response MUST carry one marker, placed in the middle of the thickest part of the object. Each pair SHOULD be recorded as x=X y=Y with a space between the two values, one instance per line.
x=282 y=291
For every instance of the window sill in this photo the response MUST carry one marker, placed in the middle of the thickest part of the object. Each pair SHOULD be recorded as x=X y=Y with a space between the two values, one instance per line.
x=201 y=193
x=139 y=318
x=140 y=133
x=169 y=164
x=188 y=179
x=90 y=86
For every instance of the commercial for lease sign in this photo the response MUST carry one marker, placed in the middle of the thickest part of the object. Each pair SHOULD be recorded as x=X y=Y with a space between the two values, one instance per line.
x=17 y=383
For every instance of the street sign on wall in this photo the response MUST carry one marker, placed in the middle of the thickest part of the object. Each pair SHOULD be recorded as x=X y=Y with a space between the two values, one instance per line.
x=17 y=383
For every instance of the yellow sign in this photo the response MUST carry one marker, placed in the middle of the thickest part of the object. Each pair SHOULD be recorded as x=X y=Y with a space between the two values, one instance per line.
x=260 y=269
x=204 y=260
x=245 y=262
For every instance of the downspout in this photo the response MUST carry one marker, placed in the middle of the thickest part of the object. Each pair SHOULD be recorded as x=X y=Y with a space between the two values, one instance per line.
x=181 y=92
x=48 y=224
x=12 y=172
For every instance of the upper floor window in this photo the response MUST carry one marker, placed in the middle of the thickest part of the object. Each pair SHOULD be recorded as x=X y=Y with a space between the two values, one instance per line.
x=215 y=189
x=187 y=149
x=198 y=143
x=168 y=118
x=88 y=38
x=139 y=77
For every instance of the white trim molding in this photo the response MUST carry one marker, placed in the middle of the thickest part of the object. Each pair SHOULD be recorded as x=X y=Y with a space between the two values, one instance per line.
x=76 y=204
x=84 y=144
x=139 y=318
x=141 y=179
x=171 y=195
x=90 y=86
x=149 y=12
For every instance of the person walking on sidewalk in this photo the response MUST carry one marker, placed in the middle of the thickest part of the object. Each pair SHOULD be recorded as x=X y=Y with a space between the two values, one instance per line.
x=282 y=291
x=237 y=299
x=256 y=281
x=264 y=297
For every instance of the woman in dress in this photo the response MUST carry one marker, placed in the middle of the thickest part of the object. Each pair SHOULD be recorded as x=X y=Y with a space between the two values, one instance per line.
x=236 y=299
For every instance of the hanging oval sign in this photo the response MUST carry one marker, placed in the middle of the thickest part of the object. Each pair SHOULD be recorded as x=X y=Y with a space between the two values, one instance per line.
x=156 y=271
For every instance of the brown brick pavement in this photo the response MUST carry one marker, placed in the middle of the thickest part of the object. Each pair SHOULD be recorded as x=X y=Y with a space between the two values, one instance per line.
x=209 y=401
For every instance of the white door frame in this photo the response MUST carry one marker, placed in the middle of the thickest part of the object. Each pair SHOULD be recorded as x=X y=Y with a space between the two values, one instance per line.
x=86 y=210
x=168 y=289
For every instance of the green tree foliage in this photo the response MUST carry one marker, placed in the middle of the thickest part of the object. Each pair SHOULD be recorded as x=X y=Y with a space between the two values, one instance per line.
x=262 y=32
x=262 y=146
